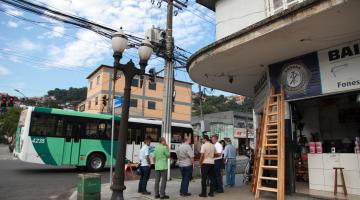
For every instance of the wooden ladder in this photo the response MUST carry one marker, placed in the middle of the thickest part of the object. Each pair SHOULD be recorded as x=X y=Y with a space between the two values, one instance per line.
x=271 y=172
x=259 y=137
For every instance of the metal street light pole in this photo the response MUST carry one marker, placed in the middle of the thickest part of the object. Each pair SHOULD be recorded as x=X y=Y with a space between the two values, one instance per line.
x=17 y=90
x=119 y=43
x=169 y=78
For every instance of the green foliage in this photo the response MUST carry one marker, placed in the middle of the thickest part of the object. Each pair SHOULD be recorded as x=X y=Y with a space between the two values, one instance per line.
x=9 y=121
x=213 y=104
x=72 y=95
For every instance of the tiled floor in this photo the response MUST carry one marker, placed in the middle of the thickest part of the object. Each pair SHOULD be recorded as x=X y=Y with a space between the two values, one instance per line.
x=303 y=188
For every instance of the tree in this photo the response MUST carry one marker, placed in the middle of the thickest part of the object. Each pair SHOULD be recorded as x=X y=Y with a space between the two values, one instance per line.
x=213 y=104
x=72 y=96
x=9 y=121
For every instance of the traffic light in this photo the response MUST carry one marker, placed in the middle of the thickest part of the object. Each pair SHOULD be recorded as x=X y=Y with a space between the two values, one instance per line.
x=152 y=75
x=3 y=101
x=104 y=100
x=11 y=102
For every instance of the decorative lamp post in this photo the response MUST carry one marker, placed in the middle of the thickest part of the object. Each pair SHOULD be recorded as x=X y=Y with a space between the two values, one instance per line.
x=119 y=44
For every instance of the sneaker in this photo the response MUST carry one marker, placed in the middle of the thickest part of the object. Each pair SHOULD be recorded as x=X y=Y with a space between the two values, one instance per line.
x=165 y=197
x=146 y=193
x=157 y=196
x=220 y=191
x=211 y=194
x=202 y=195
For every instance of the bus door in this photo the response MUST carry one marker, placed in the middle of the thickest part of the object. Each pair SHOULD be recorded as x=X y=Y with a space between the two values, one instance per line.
x=73 y=132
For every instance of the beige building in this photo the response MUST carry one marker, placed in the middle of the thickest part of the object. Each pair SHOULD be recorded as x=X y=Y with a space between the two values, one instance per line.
x=146 y=102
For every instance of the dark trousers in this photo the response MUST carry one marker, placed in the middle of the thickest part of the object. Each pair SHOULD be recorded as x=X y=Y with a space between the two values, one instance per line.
x=144 y=177
x=207 y=171
x=218 y=177
x=186 y=173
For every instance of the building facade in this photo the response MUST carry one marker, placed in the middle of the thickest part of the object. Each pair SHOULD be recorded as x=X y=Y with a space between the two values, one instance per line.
x=310 y=48
x=236 y=126
x=146 y=100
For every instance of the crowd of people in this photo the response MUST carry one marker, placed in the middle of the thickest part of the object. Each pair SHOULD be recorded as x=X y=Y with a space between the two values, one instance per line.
x=215 y=157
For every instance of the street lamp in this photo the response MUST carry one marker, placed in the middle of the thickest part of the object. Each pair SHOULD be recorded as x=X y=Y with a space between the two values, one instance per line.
x=119 y=44
x=18 y=91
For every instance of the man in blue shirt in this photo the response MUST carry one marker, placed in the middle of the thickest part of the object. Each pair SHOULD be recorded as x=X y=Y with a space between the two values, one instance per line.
x=144 y=167
x=230 y=160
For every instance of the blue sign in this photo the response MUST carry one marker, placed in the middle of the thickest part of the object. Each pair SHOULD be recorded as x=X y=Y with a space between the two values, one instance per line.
x=118 y=101
x=300 y=76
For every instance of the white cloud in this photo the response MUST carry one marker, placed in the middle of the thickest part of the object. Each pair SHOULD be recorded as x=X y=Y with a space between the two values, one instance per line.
x=134 y=16
x=28 y=45
x=86 y=52
x=12 y=24
x=57 y=31
x=4 y=71
x=11 y=10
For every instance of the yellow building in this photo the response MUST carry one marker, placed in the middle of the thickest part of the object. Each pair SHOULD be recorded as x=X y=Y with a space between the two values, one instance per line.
x=146 y=102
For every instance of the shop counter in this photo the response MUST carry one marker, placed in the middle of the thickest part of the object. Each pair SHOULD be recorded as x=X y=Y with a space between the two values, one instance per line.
x=322 y=174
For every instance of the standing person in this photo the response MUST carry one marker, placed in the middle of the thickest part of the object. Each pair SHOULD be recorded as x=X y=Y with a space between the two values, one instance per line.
x=218 y=164
x=223 y=144
x=144 y=167
x=185 y=157
x=230 y=160
x=161 y=165
x=207 y=165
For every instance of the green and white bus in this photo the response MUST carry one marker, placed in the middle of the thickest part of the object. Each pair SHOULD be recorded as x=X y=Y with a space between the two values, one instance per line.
x=69 y=138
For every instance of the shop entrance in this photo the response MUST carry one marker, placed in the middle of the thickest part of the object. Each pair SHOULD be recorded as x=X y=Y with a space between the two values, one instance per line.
x=326 y=132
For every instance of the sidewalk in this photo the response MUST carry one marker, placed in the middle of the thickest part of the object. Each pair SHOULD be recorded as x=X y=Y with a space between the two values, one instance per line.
x=239 y=192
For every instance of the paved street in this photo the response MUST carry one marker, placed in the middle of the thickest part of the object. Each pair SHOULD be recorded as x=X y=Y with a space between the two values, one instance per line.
x=20 y=180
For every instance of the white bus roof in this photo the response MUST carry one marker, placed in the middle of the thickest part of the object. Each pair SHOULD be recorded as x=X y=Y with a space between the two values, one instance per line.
x=157 y=122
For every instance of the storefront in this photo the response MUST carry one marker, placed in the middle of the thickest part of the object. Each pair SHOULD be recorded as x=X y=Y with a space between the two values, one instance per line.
x=322 y=92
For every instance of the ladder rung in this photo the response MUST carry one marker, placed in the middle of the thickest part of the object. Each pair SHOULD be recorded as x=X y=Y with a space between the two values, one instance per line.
x=272 y=139
x=273 y=113
x=271 y=149
x=269 y=178
x=272 y=134
x=270 y=157
x=272 y=124
x=272 y=130
x=269 y=167
x=268 y=189
x=273 y=104
x=271 y=145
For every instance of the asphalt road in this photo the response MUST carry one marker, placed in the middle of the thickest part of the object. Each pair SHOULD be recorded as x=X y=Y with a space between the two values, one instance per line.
x=27 y=181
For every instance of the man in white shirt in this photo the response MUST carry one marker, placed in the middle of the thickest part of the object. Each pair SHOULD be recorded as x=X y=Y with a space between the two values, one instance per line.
x=218 y=164
x=207 y=166
x=144 y=167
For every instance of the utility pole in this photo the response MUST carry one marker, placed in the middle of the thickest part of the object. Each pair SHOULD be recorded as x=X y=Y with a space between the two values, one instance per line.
x=202 y=123
x=144 y=78
x=168 y=79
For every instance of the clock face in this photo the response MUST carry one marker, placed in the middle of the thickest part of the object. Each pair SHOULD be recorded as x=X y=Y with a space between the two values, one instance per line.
x=294 y=77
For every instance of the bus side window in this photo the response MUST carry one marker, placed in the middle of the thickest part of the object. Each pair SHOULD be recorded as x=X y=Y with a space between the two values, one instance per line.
x=153 y=133
x=92 y=129
x=103 y=130
x=134 y=133
x=43 y=125
x=59 y=128
x=68 y=131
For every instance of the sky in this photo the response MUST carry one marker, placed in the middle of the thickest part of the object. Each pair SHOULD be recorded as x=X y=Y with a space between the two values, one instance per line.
x=44 y=54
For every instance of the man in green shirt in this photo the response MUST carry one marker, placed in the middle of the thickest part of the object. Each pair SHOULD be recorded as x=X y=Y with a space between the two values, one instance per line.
x=161 y=165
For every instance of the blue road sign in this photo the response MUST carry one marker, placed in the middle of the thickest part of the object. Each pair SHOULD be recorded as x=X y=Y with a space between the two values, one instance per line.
x=118 y=101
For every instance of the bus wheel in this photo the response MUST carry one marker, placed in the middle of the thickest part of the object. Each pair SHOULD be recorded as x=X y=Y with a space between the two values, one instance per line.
x=95 y=162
